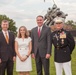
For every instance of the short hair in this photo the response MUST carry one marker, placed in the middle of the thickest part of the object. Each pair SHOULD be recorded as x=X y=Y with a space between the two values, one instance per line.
x=4 y=21
x=39 y=16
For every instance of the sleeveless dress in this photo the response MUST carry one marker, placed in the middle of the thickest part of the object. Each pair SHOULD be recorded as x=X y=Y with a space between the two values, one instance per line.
x=23 y=48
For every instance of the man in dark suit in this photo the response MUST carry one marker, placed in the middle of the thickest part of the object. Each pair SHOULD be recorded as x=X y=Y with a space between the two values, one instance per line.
x=41 y=46
x=64 y=45
x=7 y=51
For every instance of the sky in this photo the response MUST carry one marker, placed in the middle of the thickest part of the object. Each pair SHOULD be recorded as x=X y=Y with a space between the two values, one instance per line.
x=24 y=12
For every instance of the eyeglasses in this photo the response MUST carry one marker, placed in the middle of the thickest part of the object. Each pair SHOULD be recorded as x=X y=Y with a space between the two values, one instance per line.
x=58 y=23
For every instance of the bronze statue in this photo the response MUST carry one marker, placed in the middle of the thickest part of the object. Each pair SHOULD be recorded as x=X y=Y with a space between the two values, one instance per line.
x=53 y=13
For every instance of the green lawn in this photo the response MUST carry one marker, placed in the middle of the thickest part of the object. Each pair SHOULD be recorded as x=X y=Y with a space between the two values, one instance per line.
x=52 y=67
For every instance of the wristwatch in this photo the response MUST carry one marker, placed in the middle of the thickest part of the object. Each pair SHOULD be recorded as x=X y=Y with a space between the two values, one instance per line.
x=27 y=56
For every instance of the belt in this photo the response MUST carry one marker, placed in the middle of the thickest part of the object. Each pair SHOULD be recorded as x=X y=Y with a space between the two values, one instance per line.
x=22 y=48
x=58 y=47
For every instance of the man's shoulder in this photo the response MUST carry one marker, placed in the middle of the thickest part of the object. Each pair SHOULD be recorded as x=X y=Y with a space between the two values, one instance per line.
x=33 y=29
x=67 y=31
x=53 y=33
x=11 y=33
x=0 y=32
x=47 y=27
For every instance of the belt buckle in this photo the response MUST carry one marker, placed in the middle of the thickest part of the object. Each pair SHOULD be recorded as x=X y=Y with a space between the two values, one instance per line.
x=22 y=48
x=58 y=47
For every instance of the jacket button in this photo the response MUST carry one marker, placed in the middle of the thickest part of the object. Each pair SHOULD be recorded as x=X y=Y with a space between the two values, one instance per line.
x=64 y=51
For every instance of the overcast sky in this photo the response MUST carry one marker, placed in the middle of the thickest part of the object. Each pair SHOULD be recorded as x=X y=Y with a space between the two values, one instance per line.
x=24 y=12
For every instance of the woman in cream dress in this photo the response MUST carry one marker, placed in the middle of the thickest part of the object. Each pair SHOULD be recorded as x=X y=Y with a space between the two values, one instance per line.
x=23 y=52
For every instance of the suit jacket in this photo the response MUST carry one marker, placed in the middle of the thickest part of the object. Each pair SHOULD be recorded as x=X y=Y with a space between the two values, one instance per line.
x=7 y=51
x=63 y=51
x=41 y=43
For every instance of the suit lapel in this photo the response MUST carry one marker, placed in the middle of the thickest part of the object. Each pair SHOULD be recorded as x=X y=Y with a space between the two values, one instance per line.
x=36 y=32
x=4 y=37
x=43 y=28
x=9 y=36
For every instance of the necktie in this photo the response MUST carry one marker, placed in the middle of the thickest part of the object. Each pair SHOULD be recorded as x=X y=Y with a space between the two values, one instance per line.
x=39 y=32
x=6 y=37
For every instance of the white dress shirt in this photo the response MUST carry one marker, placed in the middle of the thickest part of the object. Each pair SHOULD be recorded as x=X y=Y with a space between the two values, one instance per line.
x=4 y=33
x=40 y=28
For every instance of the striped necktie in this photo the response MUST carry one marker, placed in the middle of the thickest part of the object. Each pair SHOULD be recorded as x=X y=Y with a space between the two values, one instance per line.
x=6 y=37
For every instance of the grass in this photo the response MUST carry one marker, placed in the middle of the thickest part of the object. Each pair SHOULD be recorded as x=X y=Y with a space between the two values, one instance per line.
x=52 y=67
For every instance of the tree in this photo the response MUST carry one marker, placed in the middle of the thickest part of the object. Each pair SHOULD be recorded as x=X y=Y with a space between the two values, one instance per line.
x=72 y=24
x=12 y=26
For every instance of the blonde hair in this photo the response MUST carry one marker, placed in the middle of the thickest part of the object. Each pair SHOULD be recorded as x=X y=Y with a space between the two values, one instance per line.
x=26 y=32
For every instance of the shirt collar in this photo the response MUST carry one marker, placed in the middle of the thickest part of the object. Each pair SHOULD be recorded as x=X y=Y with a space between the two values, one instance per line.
x=60 y=30
x=40 y=27
x=4 y=32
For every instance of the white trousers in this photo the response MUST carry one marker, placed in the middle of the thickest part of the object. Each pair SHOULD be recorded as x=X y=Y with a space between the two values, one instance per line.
x=63 y=66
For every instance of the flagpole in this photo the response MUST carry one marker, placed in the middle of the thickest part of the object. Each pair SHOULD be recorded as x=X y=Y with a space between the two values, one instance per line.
x=53 y=1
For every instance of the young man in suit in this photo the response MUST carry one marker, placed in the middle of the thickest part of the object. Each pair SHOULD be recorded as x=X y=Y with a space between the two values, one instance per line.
x=7 y=51
x=41 y=50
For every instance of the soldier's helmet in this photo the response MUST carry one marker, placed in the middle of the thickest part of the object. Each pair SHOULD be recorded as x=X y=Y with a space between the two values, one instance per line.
x=54 y=6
